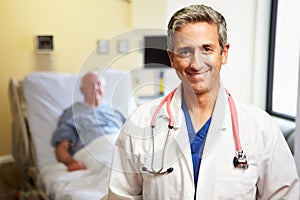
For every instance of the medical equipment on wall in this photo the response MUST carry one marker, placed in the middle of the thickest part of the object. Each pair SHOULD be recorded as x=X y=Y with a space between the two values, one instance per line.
x=240 y=160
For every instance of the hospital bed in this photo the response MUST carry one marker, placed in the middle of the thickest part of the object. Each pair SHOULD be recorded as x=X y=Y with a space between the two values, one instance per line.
x=36 y=104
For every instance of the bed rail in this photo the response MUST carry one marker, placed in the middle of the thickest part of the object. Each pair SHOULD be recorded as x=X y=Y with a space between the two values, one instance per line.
x=20 y=137
x=23 y=151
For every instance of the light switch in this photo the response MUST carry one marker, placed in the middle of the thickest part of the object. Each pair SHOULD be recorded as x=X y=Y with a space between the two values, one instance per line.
x=102 y=46
x=123 y=46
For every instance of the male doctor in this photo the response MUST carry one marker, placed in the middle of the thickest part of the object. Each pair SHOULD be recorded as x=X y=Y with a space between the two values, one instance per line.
x=196 y=155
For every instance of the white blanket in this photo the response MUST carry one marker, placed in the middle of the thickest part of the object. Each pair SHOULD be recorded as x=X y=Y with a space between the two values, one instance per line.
x=91 y=183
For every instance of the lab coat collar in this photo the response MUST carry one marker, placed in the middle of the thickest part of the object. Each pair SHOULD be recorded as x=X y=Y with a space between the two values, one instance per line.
x=220 y=108
x=218 y=123
x=176 y=107
x=219 y=120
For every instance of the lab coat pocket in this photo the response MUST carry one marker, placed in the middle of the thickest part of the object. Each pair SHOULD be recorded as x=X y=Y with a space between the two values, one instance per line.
x=169 y=186
x=236 y=183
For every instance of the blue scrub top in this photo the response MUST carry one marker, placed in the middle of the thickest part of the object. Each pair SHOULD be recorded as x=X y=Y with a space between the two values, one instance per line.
x=196 y=139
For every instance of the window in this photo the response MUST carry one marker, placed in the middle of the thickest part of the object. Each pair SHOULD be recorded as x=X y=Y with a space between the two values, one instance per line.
x=284 y=56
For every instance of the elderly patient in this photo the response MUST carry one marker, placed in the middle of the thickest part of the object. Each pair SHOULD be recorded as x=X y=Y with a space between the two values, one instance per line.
x=84 y=121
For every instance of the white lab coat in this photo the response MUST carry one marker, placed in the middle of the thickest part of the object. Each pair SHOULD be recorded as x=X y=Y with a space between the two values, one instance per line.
x=271 y=174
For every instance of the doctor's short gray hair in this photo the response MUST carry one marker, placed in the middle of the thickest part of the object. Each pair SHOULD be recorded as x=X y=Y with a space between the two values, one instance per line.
x=196 y=13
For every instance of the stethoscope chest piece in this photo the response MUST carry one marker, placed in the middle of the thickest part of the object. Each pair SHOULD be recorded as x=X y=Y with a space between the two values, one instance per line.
x=240 y=160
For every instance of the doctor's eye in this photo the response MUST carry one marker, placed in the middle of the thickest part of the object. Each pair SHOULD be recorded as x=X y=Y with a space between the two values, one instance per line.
x=206 y=49
x=184 y=52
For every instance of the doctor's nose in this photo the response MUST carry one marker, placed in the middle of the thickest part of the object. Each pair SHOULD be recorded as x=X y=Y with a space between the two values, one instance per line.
x=197 y=60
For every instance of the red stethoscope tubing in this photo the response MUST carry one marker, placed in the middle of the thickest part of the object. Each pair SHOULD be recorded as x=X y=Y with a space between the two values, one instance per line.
x=234 y=117
x=167 y=99
x=235 y=124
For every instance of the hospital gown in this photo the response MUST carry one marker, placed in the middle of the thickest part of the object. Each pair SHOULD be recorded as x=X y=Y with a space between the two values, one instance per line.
x=80 y=124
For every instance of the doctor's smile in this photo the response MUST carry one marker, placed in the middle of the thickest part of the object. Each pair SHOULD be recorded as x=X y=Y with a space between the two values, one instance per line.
x=197 y=75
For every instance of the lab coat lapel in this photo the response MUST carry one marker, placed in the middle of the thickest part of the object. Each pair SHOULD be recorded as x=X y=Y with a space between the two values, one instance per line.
x=219 y=121
x=181 y=137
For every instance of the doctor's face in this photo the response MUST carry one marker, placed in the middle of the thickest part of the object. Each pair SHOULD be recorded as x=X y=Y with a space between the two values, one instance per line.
x=198 y=57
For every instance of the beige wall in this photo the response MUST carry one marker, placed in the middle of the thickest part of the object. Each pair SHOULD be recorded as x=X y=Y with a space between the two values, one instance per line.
x=149 y=14
x=76 y=27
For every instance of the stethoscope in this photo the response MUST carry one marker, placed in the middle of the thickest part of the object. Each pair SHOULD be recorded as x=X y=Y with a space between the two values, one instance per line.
x=239 y=160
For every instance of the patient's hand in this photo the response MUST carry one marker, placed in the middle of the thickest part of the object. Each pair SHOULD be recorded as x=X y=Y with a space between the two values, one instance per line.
x=62 y=155
x=75 y=166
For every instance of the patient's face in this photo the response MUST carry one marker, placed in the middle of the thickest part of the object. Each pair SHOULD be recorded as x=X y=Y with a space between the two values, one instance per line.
x=91 y=89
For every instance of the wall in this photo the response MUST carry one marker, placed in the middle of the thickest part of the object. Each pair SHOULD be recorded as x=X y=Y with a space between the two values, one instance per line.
x=76 y=26
x=297 y=131
x=149 y=14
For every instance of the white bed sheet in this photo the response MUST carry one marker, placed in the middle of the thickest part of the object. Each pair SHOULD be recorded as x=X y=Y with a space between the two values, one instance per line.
x=89 y=184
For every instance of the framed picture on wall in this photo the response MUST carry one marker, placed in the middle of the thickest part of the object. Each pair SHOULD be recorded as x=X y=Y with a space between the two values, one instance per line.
x=44 y=43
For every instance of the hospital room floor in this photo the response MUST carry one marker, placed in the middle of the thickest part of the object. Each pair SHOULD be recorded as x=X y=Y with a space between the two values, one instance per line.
x=10 y=181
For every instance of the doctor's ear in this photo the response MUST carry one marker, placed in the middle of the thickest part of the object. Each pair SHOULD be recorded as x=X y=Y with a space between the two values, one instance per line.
x=224 y=53
x=171 y=57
